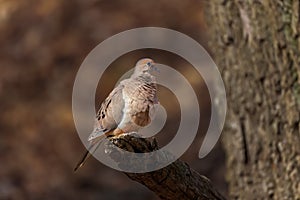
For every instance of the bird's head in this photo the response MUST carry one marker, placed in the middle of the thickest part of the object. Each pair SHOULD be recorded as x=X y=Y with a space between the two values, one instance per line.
x=145 y=65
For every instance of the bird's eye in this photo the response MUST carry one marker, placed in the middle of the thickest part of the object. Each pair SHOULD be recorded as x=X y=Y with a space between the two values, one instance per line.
x=149 y=64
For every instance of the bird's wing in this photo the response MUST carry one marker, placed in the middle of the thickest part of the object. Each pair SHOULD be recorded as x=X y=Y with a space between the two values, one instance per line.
x=109 y=114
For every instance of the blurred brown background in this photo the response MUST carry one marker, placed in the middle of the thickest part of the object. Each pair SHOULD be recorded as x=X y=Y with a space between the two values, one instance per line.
x=42 y=46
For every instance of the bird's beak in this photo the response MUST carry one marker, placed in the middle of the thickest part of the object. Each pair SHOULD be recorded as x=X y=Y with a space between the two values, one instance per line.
x=154 y=68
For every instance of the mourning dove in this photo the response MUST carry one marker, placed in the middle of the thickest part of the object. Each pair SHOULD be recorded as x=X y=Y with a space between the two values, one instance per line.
x=127 y=108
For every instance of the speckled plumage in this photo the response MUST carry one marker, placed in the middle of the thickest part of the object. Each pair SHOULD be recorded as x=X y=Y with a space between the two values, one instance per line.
x=128 y=106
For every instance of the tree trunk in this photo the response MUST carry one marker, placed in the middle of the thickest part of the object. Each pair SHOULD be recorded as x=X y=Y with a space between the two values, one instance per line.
x=256 y=46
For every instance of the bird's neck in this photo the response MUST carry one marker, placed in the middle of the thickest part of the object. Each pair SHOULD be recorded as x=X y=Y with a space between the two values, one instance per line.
x=143 y=74
x=147 y=77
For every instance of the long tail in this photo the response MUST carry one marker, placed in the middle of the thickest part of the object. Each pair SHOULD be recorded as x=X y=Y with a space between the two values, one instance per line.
x=82 y=160
x=89 y=151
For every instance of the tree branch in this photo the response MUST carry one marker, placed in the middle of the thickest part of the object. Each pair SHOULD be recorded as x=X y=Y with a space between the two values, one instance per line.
x=176 y=181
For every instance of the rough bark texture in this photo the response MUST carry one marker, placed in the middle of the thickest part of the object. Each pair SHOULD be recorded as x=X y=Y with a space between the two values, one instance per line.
x=176 y=181
x=256 y=45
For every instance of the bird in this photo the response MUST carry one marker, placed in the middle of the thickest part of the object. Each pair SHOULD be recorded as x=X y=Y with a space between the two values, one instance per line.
x=128 y=108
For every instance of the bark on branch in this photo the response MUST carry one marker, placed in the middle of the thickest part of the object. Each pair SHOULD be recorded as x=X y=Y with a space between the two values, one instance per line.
x=176 y=181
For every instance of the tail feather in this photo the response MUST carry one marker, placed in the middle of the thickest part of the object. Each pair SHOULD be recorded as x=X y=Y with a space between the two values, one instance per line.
x=96 y=143
x=82 y=161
